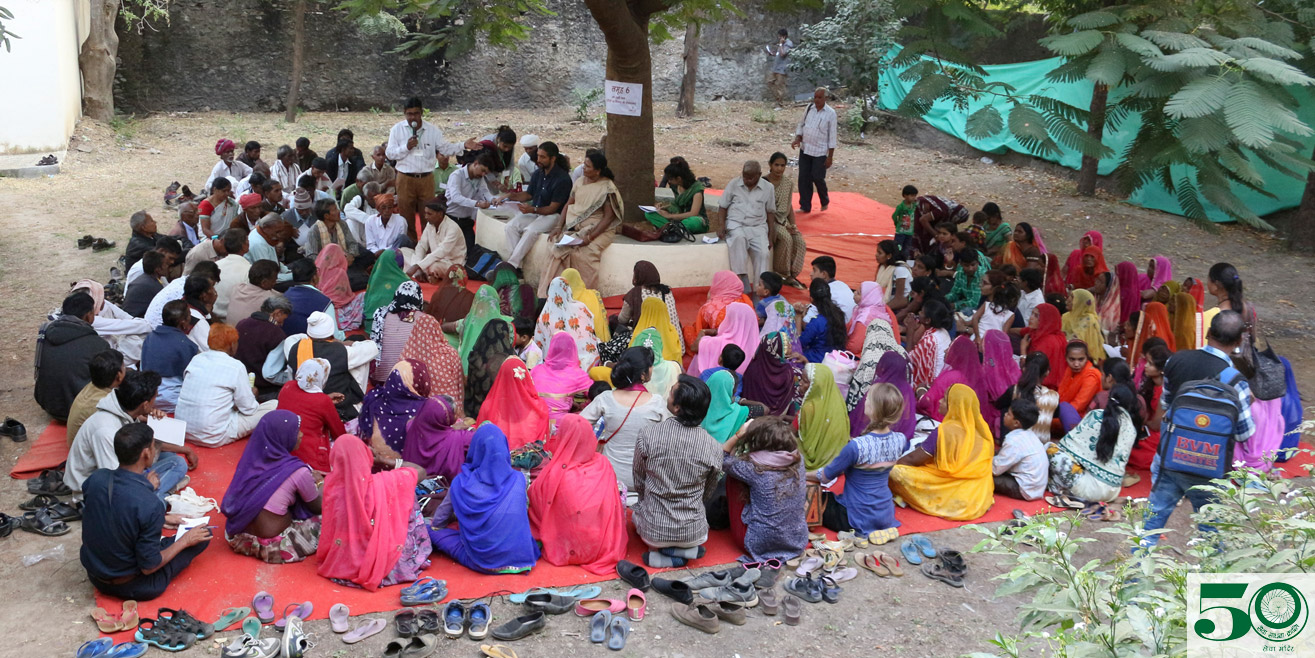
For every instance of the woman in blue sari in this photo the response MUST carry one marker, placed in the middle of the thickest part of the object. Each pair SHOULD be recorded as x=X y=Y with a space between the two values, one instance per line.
x=489 y=502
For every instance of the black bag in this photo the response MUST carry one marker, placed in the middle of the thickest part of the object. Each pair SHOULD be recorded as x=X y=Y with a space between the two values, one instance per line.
x=1270 y=379
x=675 y=231
x=480 y=263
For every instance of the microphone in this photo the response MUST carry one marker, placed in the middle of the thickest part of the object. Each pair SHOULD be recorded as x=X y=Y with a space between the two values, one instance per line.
x=415 y=128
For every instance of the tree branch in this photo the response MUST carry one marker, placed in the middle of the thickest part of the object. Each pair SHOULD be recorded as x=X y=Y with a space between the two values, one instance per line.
x=643 y=9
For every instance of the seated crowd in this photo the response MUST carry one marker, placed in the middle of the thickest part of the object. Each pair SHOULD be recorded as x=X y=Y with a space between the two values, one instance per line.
x=971 y=364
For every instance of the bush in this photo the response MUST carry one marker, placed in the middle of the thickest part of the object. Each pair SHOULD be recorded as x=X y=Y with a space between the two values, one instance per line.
x=582 y=100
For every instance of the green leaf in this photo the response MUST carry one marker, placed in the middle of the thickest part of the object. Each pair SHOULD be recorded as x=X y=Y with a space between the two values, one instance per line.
x=1029 y=128
x=1073 y=43
x=1241 y=167
x=1268 y=47
x=1203 y=134
x=1136 y=44
x=1198 y=98
x=1106 y=68
x=924 y=93
x=1093 y=19
x=1191 y=58
x=1246 y=113
x=1073 y=70
x=985 y=122
x=1190 y=201
x=1275 y=71
x=1174 y=40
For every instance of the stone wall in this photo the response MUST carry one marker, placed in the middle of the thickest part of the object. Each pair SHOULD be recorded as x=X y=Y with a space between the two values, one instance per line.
x=236 y=55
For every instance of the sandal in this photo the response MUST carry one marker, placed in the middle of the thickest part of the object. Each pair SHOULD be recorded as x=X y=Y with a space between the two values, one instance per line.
x=8 y=523
x=183 y=620
x=871 y=563
x=890 y=563
x=95 y=648
x=108 y=623
x=161 y=637
x=101 y=244
x=263 y=604
x=42 y=523
x=497 y=651
x=1111 y=514
x=1063 y=502
x=299 y=610
x=49 y=482
x=229 y=617
x=937 y=571
x=38 y=501
x=71 y=511
x=407 y=624
x=127 y=650
x=830 y=590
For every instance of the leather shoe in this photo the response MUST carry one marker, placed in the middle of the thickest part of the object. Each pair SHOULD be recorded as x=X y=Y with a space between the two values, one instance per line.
x=676 y=590
x=698 y=616
x=14 y=430
x=553 y=604
x=635 y=575
x=521 y=627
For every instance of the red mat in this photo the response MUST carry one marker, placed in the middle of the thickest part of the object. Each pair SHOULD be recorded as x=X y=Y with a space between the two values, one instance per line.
x=47 y=452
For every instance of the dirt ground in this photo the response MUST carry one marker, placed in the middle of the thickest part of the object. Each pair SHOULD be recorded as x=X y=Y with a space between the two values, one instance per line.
x=111 y=172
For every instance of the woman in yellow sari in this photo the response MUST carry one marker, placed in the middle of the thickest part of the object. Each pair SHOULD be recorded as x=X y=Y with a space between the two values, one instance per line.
x=653 y=315
x=1183 y=318
x=949 y=475
x=591 y=299
x=591 y=216
x=1082 y=322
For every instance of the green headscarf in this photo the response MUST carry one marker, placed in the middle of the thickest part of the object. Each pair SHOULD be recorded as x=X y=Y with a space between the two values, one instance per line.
x=664 y=372
x=725 y=415
x=823 y=419
x=506 y=278
x=484 y=308
x=384 y=280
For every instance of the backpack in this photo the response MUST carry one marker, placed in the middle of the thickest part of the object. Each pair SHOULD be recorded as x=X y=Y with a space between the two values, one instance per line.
x=480 y=263
x=1200 y=426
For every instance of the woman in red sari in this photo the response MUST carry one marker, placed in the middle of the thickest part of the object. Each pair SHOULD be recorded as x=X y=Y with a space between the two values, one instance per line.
x=1090 y=269
x=576 y=509
x=514 y=405
x=1045 y=334
x=1089 y=239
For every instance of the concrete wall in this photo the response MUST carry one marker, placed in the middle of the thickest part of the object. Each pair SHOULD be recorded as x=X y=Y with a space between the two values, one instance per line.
x=43 y=88
x=234 y=55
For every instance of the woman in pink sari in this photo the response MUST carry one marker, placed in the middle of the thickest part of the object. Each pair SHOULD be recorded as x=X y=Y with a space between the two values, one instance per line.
x=1158 y=271
x=871 y=306
x=738 y=327
x=1000 y=371
x=372 y=534
x=331 y=265
x=726 y=289
x=559 y=378
x=961 y=367
x=1130 y=289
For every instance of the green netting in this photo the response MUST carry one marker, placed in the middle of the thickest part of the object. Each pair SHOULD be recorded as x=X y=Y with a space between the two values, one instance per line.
x=1029 y=78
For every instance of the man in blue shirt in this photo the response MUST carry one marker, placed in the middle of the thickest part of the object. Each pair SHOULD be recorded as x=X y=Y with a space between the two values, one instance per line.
x=122 y=549
x=1169 y=487
x=550 y=188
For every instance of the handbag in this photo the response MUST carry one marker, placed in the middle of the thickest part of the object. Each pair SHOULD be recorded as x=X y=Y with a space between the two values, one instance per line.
x=640 y=232
x=813 y=504
x=674 y=231
x=842 y=364
x=1270 y=379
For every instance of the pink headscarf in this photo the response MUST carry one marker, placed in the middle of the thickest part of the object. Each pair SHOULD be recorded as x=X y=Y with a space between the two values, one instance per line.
x=365 y=516
x=332 y=267
x=961 y=367
x=871 y=305
x=1163 y=272
x=1130 y=289
x=999 y=369
x=739 y=327
x=96 y=290
x=223 y=146
x=560 y=376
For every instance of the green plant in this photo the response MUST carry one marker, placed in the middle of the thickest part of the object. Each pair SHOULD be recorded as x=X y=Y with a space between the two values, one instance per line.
x=582 y=100
x=124 y=126
x=855 y=119
x=1133 y=604
x=849 y=47
x=763 y=116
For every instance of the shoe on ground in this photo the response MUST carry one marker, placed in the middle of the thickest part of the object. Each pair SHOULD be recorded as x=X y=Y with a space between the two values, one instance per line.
x=769 y=601
x=676 y=590
x=521 y=627
x=553 y=604
x=738 y=592
x=478 y=617
x=14 y=430
x=804 y=588
x=295 y=643
x=732 y=613
x=699 y=616
x=454 y=619
x=253 y=648
x=634 y=575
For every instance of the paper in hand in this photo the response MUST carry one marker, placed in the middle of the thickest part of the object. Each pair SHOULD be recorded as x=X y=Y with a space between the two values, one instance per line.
x=569 y=241
x=648 y=208
x=188 y=524
x=168 y=430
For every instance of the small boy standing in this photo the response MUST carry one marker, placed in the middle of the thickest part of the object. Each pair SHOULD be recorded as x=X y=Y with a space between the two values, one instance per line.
x=904 y=220
x=1021 y=466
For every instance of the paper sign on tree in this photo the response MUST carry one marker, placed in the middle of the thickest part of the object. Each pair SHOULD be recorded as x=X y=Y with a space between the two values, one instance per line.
x=624 y=98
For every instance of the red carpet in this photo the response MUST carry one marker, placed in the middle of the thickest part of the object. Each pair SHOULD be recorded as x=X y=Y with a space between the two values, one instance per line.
x=48 y=451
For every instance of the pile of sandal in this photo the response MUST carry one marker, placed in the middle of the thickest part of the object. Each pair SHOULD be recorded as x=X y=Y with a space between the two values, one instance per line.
x=172 y=630
x=45 y=514
x=104 y=647
x=945 y=565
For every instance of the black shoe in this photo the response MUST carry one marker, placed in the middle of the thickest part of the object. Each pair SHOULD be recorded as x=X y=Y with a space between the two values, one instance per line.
x=521 y=627
x=954 y=562
x=14 y=430
x=85 y=241
x=634 y=574
x=553 y=604
x=675 y=590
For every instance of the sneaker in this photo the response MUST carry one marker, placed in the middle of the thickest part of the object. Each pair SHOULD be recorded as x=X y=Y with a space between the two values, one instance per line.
x=715 y=578
x=454 y=619
x=253 y=648
x=699 y=616
x=295 y=642
x=478 y=617
x=740 y=590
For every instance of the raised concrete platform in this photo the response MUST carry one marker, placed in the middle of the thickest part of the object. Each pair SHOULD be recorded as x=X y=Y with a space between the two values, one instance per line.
x=684 y=264
x=24 y=165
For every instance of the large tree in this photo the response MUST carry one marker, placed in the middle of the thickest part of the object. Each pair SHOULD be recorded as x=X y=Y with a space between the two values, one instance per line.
x=98 y=57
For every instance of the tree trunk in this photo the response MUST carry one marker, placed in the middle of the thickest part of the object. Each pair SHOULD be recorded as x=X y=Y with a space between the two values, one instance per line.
x=629 y=139
x=1096 y=128
x=1302 y=233
x=298 y=39
x=97 y=61
x=685 y=106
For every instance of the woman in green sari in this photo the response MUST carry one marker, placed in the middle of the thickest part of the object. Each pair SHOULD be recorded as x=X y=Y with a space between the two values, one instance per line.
x=482 y=310
x=823 y=419
x=664 y=372
x=384 y=280
x=515 y=297
x=687 y=208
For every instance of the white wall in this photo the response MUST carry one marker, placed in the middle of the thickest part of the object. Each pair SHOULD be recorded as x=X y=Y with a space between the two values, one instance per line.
x=41 y=100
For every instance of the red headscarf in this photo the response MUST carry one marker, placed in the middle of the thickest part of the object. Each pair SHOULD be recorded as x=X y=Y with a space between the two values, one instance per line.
x=365 y=516
x=1048 y=338
x=575 y=509
x=1054 y=278
x=1094 y=238
x=514 y=405
x=223 y=146
x=1078 y=276
x=332 y=267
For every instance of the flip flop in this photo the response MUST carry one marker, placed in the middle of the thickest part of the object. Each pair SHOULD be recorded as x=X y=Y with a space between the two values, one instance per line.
x=95 y=648
x=106 y=622
x=366 y=629
x=843 y=574
x=419 y=586
x=300 y=611
x=126 y=650
x=871 y=563
x=498 y=651
x=431 y=591
x=583 y=592
x=890 y=563
x=598 y=626
x=263 y=604
x=809 y=565
x=339 y=615
x=617 y=633
x=910 y=552
x=251 y=626
x=129 y=618
x=1063 y=502
x=230 y=616
x=923 y=545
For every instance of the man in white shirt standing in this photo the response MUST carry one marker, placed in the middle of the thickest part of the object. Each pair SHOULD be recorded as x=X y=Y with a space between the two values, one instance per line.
x=748 y=207
x=816 y=134
x=467 y=193
x=413 y=144
x=385 y=229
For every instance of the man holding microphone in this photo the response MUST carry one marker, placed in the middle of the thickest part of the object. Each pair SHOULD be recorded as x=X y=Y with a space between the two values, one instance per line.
x=414 y=144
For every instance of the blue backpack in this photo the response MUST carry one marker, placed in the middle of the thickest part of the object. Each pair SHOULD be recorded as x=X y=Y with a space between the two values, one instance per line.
x=1200 y=426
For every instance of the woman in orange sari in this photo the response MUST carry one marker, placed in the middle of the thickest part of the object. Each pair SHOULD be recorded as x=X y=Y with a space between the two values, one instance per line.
x=726 y=289
x=1183 y=321
x=1022 y=252
x=949 y=474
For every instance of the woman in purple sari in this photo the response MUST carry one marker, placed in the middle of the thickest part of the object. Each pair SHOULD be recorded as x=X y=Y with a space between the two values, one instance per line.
x=273 y=503
x=892 y=369
x=961 y=367
x=390 y=407
x=432 y=440
x=771 y=375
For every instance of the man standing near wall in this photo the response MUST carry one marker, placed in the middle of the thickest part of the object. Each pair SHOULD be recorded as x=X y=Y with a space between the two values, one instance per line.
x=780 y=67
x=816 y=135
x=414 y=144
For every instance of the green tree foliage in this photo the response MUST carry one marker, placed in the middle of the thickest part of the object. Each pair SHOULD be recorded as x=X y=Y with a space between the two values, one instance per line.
x=849 y=46
x=1209 y=85
x=454 y=24
x=6 y=35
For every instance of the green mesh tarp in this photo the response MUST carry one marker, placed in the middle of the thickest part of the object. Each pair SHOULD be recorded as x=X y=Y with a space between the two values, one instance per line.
x=1029 y=78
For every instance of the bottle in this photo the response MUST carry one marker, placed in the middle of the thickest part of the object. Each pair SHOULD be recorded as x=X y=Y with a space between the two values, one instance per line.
x=519 y=187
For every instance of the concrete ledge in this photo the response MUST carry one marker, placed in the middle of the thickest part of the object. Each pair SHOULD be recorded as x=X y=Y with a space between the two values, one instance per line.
x=23 y=165
x=684 y=264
